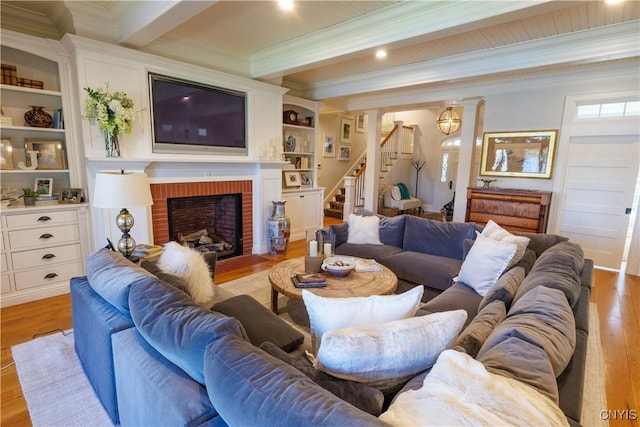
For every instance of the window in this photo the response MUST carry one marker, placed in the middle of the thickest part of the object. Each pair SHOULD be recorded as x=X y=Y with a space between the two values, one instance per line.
x=608 y=110
x=451 y=144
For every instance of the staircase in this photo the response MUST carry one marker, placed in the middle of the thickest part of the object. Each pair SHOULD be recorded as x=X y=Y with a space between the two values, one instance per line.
x=398 y=141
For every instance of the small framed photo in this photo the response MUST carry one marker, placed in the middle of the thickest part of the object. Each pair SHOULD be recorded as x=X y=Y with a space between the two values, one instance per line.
x=305 y=179
x=70 y=195
x=360 y=123
x=345 y=133
x=49 y=153
x=344 y=153
x=44 y=186
x=6 y=152
x=292 y=179
x=329 y=145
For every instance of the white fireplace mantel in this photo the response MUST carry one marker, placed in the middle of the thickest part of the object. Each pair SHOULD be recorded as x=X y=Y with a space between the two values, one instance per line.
x=265 y=175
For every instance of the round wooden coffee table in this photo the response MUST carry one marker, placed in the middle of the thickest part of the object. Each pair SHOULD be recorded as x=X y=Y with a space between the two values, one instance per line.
x=355 y=284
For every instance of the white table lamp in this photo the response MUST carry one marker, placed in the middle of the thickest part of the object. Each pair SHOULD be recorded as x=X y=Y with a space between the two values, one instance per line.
x=122 y=190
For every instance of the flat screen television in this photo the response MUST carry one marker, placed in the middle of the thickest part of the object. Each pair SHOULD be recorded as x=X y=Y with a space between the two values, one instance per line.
x=189 y=117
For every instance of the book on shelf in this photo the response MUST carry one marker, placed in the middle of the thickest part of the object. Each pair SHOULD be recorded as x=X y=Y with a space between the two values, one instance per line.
x=309 y=280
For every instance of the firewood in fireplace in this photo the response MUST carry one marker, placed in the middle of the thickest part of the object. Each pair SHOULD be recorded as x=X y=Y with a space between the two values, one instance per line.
x=204 y=241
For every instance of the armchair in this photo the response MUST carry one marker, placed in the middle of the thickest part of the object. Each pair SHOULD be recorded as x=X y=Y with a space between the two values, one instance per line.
x=393 y=199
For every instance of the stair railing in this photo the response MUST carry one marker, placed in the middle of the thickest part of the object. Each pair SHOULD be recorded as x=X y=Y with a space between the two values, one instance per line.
x=399 y=141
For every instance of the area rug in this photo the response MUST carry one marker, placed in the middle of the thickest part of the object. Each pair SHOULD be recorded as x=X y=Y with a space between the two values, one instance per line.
x=54 y=385
x=58 y=393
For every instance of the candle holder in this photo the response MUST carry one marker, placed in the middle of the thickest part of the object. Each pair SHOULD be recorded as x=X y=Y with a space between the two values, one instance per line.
x=328 y=243
x=313 y=264
x=314 y=252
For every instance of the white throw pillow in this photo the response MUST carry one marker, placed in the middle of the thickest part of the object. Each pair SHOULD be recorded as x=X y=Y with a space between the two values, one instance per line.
x=395 y=193
x=486 y=261
x=387 y=355
x=189 y=265
x=327 y=314
x=364 y=229
x=495 y=232
x=460 y=391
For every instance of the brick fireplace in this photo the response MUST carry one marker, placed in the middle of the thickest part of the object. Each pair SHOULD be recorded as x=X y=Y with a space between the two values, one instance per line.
x=161 y=192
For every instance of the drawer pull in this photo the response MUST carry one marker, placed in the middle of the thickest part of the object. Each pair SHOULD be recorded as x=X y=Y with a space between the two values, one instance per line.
x=44 y=218
x=50 y=276
x=48 y=256
x=46 y=236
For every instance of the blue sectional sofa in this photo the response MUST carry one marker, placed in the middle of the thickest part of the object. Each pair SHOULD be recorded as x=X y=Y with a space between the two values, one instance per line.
x=154 y=357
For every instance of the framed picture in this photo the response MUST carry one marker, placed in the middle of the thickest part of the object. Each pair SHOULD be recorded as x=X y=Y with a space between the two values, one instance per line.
x=345 y=130
x=70 y=195
x=6 y=153
x=49 y=153
x=526 y=154
x=329 y=145
x=305 y=179
x=344 y=153
x=44 y=186
x=360 y=123
x=292 y=179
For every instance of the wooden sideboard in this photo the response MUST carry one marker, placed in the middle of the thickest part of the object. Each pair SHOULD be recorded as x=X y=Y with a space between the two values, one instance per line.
x=515 y=210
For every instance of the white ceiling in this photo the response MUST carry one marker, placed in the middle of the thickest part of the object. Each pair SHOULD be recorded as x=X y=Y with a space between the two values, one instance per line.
x=325 y=49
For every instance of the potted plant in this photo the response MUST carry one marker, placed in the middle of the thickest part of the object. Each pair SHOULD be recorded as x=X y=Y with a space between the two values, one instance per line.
x=29 y=195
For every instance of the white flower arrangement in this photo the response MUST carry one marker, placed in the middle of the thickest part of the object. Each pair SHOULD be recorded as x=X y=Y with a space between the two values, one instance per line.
x=113 y=112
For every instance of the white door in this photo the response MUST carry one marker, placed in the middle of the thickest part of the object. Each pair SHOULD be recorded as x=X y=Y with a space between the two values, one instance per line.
x=599 y=185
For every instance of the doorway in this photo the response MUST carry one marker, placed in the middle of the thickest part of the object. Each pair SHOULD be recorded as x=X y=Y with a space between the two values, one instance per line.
x=598 y=197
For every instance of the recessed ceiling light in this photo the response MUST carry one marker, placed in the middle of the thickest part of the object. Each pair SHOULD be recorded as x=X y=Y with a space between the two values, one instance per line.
x=285 y=4
x=613 y=1
x=381 y=53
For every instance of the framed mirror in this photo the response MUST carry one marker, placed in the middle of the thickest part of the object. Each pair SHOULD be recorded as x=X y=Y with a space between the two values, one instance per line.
x=527 y=154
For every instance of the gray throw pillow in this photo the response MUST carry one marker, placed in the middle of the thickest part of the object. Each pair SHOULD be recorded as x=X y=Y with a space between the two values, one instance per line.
x=505 y=288
x=558 y=267
x=521 y=360
x=474 y=335
x=543 y=318
x=361 y=396
x=260 y=323
x=170 y=279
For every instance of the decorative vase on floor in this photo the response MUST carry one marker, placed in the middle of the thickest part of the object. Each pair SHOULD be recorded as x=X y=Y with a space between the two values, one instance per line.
x=111 y=144
x=278 y=229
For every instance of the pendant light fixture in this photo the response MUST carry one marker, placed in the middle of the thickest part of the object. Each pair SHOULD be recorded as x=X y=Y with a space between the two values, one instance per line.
x=449 y=121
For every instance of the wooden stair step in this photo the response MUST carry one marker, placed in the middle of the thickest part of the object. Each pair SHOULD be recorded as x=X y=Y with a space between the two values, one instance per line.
x=335 y=213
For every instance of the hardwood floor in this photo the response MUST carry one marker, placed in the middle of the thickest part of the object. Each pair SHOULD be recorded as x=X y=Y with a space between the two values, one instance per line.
x=617 y=297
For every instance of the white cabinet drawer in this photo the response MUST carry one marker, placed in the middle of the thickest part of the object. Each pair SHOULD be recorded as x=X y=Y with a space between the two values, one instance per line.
x=46 y=256
x=44 y=237
x=45 y=218
x=3 y=262
x=4 y=283
x=47 y=275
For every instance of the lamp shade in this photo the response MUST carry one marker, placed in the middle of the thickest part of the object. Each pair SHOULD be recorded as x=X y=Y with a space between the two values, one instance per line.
x=122 y=190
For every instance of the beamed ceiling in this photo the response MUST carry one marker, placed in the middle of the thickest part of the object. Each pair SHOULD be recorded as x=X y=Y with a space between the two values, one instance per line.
x=325 y=49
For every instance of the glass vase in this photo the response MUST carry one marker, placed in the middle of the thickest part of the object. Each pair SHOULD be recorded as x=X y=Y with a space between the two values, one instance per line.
x=111 y=144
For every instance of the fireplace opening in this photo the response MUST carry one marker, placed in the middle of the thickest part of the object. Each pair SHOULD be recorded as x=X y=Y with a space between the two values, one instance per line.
x=207 y=223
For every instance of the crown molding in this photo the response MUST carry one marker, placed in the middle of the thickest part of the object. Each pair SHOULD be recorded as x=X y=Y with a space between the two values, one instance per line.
x=393 y=24
x=421 y=97
x=612 y=42
x=21 y=20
